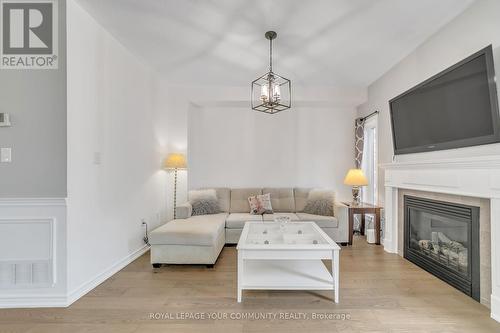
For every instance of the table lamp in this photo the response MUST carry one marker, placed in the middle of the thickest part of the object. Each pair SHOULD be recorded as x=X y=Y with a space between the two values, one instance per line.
x=355 y=178
x=175 y=162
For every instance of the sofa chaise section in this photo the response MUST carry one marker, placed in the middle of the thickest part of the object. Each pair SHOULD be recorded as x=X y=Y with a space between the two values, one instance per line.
x=195 y=240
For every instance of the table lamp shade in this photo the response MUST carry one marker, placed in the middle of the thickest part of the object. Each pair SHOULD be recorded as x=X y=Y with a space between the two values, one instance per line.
x=175 y=161
x=355 y=177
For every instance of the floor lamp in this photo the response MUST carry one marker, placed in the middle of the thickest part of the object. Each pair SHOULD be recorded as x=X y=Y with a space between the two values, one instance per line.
x=175 y=162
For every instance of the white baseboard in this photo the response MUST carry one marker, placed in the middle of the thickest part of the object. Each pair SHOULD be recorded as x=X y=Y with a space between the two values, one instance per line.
x=85 y=287
x=495 y=307
x=33 y=301
x=40 y=301
x=389 y=246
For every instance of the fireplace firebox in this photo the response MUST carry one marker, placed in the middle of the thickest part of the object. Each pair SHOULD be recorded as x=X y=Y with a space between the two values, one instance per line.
x=443 y=238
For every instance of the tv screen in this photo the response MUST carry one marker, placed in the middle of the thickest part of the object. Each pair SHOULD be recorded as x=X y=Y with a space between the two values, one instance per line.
x=456 y=108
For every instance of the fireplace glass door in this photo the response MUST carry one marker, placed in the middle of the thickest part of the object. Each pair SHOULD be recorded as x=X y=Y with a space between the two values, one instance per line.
x=443 y=239
x=440 y=238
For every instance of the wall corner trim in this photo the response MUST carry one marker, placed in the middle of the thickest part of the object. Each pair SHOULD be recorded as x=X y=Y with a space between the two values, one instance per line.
x=495 y=307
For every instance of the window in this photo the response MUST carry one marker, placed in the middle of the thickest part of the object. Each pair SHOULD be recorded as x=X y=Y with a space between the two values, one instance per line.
x=370 y=160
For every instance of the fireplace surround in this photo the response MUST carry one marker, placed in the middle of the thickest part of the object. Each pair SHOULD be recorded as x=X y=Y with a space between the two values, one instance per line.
x=472 y=178
x=443 y=238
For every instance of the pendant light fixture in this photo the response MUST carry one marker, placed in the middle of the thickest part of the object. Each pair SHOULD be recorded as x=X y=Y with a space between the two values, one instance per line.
x=271 y=93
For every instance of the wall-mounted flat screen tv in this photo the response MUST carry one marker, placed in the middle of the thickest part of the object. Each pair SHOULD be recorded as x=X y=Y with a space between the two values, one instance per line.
x=455 y=108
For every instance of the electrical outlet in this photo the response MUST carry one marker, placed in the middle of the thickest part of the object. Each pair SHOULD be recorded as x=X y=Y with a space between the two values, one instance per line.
x=144 y=225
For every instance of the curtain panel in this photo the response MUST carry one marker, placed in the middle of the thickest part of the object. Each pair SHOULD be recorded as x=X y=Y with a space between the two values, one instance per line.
x=359 y=136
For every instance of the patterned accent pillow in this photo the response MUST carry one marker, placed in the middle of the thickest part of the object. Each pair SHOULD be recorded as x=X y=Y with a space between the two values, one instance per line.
x=204 y=202
x=320 y=202
x=205 y=207
x=260 y=204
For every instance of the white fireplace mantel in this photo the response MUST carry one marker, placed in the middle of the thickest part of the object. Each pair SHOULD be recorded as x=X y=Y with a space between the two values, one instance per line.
x=474 y=177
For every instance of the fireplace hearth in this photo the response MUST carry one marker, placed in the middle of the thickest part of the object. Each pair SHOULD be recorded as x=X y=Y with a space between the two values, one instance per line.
x=443 y=239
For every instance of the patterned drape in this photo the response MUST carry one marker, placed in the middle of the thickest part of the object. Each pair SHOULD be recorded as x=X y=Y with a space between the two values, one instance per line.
x=359 y=130
x=359 y=136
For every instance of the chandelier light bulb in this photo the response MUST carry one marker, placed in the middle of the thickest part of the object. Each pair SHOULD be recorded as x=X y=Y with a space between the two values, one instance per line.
x=276 y=93
x=264 y=93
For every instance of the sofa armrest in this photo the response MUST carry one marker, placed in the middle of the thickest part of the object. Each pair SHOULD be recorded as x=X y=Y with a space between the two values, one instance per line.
x=341 y=212
x=183 y=211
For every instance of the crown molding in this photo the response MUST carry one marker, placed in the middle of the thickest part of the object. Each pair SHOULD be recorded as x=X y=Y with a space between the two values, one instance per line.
x=482 y=162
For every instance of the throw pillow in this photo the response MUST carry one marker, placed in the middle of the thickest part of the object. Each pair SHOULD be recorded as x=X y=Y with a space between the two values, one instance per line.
x=204 y=202
x=320 y=202
x=260 y=204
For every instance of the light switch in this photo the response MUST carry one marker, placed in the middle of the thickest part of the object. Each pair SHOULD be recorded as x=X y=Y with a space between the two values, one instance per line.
x=5 y=155
x=97 y=158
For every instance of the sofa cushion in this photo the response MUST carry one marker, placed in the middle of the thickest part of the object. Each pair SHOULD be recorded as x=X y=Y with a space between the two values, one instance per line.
x=282 y=199
x=237 y=220
x=224 y=196
x=239 y=199
x=271 y=217
x=321 y=221
x=197 y=230
x=300 y=195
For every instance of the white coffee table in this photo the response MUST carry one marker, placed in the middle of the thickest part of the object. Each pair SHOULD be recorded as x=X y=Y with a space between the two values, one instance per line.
x=286 y=258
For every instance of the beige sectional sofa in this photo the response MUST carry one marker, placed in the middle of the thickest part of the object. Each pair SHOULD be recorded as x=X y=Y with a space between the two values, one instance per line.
x=199 y=239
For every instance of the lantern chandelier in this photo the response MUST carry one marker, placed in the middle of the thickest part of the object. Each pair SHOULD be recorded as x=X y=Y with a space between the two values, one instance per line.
x=271 y=93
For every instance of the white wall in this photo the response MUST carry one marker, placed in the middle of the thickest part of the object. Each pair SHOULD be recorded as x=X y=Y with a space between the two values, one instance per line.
x=237 y=147
x=322 y=132
x=475 y=28
x=228 y=144
x=114 y=153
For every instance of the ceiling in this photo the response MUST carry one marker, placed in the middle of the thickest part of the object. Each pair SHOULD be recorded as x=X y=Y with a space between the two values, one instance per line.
x=320 y=42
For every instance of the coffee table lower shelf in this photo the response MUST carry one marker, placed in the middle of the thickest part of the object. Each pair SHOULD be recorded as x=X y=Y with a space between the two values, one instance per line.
x=286 y=275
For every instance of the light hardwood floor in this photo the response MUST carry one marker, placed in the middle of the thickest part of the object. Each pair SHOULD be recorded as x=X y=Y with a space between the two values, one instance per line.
x=380 y=292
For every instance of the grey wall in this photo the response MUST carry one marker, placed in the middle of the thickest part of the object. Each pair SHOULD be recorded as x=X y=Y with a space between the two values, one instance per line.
x=36 y=101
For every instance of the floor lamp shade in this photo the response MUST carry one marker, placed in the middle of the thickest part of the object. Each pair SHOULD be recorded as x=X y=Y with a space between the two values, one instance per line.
x=175 y=161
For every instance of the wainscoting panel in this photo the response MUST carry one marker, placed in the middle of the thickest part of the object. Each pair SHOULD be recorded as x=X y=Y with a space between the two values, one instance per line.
x=32 y=252
x=27 y=253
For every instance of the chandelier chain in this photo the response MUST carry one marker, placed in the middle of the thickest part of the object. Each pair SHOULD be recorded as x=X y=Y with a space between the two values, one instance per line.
x=271 y=55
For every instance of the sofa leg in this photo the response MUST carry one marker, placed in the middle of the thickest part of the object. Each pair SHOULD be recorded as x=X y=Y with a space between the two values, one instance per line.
x=210 y=266
x=156 y=265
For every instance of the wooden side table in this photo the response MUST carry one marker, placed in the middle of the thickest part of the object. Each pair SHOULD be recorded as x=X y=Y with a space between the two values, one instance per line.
x=363 y=208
